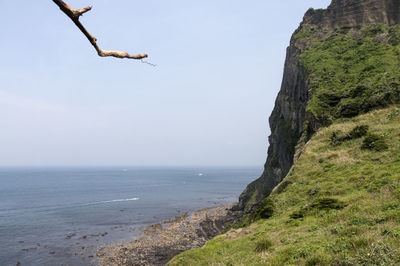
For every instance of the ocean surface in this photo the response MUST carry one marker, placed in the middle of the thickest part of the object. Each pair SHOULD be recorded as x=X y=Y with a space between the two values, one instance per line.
x=59 y=216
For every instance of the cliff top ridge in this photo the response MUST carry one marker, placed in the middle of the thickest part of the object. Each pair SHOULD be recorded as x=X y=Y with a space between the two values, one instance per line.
x=342 y=13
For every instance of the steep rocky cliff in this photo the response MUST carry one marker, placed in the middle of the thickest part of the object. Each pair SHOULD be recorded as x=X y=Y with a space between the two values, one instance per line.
x=352 y=12
x=330 y=191
x=337 y=202
x=293 y=121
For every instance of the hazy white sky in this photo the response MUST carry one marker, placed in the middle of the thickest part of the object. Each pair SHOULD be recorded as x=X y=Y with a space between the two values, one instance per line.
x=219 y=68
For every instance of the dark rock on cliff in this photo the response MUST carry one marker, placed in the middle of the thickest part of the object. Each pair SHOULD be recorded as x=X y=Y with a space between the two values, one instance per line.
x=289 y=119
x=286 y=124
x=353 y=12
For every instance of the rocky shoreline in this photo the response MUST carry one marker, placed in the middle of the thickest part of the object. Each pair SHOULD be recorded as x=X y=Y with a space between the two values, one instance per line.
x=161 y=242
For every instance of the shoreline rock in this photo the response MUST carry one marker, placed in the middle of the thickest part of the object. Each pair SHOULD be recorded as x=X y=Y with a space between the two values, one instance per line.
x=161 y=242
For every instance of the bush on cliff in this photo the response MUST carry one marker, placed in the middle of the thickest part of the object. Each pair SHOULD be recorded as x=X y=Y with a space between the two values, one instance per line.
x=338 y=137
x=264 y=211
x=374 y=142
x=324 y=203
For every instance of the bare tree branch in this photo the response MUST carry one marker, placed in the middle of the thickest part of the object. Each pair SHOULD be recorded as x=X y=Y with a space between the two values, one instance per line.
x=74 y=15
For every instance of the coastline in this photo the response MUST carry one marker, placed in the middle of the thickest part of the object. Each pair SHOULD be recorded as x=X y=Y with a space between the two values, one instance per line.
x=160 y=242
x=98 y=209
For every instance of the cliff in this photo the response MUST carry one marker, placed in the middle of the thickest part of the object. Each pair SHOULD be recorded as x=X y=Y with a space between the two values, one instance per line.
x=330 y=191
x=353 y=12
x=297 y=116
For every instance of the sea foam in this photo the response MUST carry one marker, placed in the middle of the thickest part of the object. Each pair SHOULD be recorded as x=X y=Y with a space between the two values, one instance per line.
x=111 y=201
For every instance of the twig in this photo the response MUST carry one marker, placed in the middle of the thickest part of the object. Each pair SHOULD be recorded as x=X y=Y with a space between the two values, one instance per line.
x=74 y=15
x=147 y=62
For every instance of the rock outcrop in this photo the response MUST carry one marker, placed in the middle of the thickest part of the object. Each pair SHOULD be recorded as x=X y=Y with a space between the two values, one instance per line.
x=353 y=12
x=289 y=118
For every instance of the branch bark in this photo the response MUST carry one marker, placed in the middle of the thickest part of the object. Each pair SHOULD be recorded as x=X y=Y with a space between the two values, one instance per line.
x=74 y=15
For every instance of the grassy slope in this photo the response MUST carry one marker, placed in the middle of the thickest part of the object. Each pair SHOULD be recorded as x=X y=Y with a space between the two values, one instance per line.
x=366 y=231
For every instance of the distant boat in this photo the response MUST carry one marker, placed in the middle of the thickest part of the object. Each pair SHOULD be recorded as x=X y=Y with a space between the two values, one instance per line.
x=200 y=174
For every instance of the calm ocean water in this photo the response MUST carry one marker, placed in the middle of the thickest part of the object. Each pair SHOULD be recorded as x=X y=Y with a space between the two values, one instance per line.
x=60 y=216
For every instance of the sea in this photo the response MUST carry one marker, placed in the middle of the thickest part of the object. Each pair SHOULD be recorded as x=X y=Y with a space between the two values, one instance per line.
x=62 y=216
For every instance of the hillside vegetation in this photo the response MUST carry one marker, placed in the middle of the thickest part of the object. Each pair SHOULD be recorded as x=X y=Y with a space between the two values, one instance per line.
x=351 y=70
x=340 y=202
x=330 y=73
x=339 y=205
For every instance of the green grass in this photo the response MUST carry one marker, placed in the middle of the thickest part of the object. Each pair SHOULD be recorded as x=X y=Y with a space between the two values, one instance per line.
x=347 y=201
x=351 y=70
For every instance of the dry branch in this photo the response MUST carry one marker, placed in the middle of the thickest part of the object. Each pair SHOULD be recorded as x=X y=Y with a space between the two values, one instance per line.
x=74 y=15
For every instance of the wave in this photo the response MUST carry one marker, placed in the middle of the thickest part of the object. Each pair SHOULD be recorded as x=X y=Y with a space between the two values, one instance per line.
x=14 y=211
x=111 y=201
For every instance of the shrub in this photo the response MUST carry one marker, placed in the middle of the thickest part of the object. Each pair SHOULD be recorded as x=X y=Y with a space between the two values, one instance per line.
x=319 y=204
x=328 y=203
x=324 y=120
x=374 y=142
x=358 y=90
x=298 y=214
x=263 y=245
x=358 y=132
x=330 y=98
x=338 y=137
x=349 y=107
x=264 y=211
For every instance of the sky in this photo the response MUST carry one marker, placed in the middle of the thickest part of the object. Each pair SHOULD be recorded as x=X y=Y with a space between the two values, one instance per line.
x=206 y=103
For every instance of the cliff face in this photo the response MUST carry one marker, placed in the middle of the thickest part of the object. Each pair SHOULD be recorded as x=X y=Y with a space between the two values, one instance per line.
x=339 y=201
x=352 y=12
x=290 y=120
x=286 y=124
